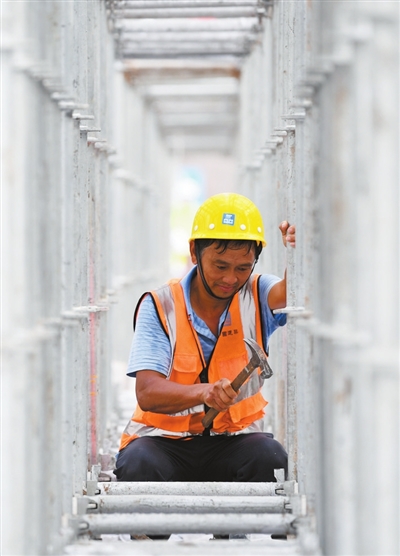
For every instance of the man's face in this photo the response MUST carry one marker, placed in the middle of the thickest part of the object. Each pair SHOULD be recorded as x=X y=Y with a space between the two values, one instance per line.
x=225 y=273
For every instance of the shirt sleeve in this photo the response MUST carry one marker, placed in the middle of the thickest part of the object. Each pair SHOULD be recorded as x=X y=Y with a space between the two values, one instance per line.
x=150 y=348
x=270 y=321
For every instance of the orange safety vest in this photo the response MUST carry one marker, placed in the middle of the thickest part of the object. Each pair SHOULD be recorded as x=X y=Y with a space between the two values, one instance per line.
x=228 y=359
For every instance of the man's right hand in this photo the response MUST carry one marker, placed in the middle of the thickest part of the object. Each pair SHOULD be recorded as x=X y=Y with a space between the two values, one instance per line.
x=155 y=393
x=220 y=395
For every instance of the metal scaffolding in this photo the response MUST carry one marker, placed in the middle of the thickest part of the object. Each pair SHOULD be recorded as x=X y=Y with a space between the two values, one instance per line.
x=97 y=98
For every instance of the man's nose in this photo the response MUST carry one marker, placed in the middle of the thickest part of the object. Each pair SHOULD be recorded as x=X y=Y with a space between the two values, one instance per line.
x=230 y=277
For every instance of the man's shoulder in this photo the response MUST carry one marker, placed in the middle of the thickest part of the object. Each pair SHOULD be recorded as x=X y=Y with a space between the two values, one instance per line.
x=268 y=279
x=168 y=284
x=265 y=284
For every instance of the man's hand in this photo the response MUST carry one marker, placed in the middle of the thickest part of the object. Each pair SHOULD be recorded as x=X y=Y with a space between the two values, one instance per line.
x=288 y=233
x=220 y=395
x=155 y=393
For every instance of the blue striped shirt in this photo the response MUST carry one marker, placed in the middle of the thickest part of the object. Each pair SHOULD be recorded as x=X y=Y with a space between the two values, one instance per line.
x=151 y=349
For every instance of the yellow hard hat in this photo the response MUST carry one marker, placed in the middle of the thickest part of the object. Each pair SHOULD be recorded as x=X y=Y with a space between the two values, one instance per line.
x=228 y=216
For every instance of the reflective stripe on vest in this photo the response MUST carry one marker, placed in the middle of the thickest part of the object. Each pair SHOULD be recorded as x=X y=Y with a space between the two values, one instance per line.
x=229 y=357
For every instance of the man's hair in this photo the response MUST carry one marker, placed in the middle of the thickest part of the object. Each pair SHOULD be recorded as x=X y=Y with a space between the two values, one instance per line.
x=223 y=244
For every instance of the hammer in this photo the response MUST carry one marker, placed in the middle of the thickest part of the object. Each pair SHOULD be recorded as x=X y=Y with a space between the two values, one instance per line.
x=258 y=359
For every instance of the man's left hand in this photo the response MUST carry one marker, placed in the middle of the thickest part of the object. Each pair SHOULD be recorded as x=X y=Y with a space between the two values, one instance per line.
x=288 y=233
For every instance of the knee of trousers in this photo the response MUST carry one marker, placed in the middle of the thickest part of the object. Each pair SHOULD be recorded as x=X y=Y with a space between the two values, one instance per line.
x=138 y=462
x=271 y=453
x=276 y=455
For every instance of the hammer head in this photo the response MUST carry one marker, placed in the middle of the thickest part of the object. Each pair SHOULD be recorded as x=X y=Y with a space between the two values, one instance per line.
x=258 y=358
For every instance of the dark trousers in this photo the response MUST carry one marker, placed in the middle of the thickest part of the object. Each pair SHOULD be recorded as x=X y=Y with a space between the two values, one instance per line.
x=241 y=458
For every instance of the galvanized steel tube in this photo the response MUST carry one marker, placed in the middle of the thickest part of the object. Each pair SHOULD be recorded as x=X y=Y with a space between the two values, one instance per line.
x=160 y=524
x=192 y=488
x=167 y=503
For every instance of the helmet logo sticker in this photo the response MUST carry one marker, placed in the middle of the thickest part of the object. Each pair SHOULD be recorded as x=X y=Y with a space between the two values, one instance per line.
x=228 y=218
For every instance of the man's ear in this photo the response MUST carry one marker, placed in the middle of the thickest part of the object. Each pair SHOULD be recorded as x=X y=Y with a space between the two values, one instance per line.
x=192 y=252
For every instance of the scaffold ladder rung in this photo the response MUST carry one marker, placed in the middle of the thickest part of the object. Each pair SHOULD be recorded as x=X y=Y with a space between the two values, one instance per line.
x=145 y=503
x=261 y=547
x=191 y=488
x=159 y=524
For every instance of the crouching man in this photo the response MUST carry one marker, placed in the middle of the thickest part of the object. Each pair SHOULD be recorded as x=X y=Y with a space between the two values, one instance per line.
x=188 y=347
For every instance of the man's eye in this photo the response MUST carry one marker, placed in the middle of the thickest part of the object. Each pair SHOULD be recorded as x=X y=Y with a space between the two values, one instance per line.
x=221 y=267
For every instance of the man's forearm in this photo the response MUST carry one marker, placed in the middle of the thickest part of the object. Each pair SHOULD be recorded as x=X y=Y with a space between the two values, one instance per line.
x=157 y=394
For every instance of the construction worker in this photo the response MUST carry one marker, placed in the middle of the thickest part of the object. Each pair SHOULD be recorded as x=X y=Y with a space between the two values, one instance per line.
x=187 y=348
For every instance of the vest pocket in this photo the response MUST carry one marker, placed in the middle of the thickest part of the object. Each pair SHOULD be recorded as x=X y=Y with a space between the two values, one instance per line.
x=185 y=369
x=230 y=368
x=246 y=408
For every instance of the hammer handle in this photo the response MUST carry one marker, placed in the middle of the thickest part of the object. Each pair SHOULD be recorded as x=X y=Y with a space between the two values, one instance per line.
x=236 y=384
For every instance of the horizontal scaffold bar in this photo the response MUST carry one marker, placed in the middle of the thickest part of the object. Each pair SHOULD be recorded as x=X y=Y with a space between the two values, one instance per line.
x=184 y=50
x=151 y=4
x=226 y=89
x=128 y=37
x=228 y=24
x=191 y=489
x=181 y=13
x=197 y=108
x=183 y=46
x=202 y=130
x=200 y=144
x=201 y=120
x=182 y=53
x=163 y=524
x=152 y=503
x=265 y=547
